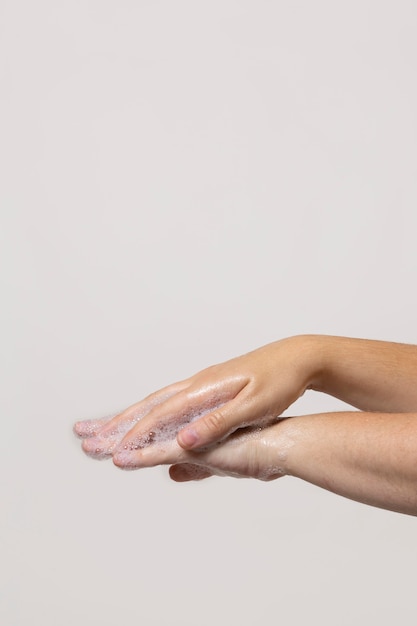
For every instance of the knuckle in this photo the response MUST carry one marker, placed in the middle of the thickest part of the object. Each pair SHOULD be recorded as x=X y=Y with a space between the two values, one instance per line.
x=215 y=422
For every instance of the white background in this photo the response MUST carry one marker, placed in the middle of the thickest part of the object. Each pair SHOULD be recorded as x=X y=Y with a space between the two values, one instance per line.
x=182 y=182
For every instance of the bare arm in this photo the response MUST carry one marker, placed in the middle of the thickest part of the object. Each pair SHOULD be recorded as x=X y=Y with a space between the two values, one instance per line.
x=370 y=375
x=368 y=457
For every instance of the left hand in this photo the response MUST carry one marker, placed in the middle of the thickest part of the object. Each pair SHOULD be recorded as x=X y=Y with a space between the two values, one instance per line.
x=247 y=453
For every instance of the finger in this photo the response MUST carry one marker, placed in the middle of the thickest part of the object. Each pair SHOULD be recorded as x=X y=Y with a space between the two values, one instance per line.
x=101 y=443
x=90 y=427
x=162 y=423
x=218 y=423
x=130 y=455
x=137 y=452
x=160 y=447
x=142 y=447
x=184 y=472
x=153 y=440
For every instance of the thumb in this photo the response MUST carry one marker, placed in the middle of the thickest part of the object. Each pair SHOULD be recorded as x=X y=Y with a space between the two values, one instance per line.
x=216 y=425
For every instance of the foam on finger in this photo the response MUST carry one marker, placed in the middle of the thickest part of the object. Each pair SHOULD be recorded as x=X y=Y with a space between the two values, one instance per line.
x=91 y=427
x=102 y=443
x=159 y=444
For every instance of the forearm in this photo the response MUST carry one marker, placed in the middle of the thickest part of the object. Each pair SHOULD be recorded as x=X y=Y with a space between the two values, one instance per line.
x=367 y=457
x=370 y=375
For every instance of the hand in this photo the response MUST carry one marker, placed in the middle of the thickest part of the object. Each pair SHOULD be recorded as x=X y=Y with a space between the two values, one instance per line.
x=248 y=391
x=248 y=453
x=259 y=453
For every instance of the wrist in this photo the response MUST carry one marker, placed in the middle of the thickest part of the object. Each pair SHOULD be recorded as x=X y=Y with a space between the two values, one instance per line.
x=276 y=451
x=312 y=354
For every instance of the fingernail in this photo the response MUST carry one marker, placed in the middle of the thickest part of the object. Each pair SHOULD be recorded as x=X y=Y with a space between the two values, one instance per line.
x=187 y=438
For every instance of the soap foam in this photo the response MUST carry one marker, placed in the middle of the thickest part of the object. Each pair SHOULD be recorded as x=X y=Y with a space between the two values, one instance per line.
x=91 y=427
x=166 y=431
x=102 y=438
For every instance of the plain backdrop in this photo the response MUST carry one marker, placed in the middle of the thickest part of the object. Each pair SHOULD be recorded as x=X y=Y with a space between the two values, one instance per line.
x=181 y=182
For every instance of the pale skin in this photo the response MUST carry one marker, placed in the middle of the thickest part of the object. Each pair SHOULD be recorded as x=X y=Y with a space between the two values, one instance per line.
x=224 y=420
